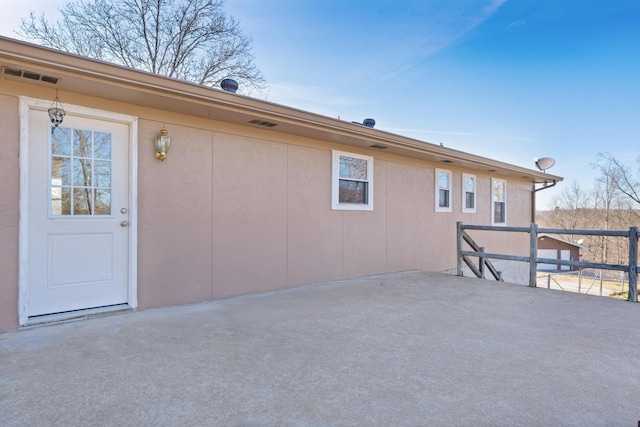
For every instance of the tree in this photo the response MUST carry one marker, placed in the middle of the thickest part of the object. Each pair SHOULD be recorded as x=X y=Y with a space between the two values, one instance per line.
x=192 y=40
x=620 y=176
x=572 y=200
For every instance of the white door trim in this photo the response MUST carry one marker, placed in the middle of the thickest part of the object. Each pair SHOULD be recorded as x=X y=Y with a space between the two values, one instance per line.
x=27 y=104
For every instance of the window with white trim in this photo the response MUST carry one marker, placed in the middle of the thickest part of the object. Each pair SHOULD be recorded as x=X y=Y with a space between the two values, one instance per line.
x=443 y=190
x=468 y=193
x=351 y=181
x=498 y=201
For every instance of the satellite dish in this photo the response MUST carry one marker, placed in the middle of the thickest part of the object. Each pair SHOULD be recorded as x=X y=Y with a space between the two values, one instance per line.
x=544 y=163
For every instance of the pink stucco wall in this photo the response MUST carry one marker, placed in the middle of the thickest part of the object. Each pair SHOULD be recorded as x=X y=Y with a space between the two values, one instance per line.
x=231 y=214
x=236 y=210
x=174 y=218
x=9 y=211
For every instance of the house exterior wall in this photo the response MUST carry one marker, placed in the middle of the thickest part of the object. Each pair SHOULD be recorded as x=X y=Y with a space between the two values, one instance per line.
x=9 y=211
x=236 y=210
x=547 y=243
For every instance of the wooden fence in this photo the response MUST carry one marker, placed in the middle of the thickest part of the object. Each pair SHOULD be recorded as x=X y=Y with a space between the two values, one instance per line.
x=533 y=260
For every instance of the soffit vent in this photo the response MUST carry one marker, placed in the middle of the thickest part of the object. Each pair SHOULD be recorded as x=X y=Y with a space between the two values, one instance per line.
x=12 y=72
x=379 y=147
x=263 y=123
x=447 y=161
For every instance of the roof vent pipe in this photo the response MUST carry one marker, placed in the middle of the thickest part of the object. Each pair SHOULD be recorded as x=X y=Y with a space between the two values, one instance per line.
x=370 y=123
x=229 y=85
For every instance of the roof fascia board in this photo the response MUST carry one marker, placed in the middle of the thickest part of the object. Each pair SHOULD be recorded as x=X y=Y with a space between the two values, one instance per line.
x=70 y=64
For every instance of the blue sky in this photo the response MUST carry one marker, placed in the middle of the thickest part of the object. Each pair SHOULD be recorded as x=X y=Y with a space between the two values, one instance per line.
x=510 y=80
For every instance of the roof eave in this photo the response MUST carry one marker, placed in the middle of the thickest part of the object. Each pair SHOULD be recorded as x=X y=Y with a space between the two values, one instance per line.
x=97 y=78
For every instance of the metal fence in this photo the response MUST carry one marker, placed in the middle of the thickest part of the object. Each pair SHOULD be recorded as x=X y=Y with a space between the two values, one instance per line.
x=463 y=256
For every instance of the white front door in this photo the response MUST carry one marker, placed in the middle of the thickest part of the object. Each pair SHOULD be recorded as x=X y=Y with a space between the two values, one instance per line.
x=78 y=214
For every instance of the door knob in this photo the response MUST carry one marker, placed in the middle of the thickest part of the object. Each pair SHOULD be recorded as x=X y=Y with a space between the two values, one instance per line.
x=124 y=224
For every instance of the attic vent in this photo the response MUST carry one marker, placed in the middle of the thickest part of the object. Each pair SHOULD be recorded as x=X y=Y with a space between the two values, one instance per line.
x=47 y=79
x=447 y=161
x=263 y=123
x=379 y=147
x=31 y=75
x=12 y=72
x=229 y=85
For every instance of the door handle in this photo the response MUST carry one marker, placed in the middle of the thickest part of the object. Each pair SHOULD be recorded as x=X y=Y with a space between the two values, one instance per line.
x=124 y=224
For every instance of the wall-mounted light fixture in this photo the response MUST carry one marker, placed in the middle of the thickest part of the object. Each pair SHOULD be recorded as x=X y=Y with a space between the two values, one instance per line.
x=163 y=143
x=56 y=112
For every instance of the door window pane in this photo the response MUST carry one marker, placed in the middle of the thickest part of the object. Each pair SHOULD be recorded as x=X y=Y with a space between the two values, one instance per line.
x=102 y=173
x=60 y=171
x=60 y=200
x=102 y=202
x=61 y=141
x=82 y=172
x=80 y=185
x=102 y=146
x=82 y=201
x=82 y=143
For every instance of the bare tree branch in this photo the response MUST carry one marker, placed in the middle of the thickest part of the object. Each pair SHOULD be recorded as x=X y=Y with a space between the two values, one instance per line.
x=620 y=176
x=192 y=40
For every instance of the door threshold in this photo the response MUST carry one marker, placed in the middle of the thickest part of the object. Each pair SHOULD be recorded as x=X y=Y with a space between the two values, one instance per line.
x=70 y=316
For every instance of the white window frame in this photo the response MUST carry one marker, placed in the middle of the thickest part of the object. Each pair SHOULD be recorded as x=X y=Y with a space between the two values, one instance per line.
x=335 y=183
x=437 y=190
x=465 y=209
x=494 y=201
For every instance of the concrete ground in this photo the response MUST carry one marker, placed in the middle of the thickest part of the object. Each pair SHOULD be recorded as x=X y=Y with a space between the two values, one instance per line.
x=414 y=348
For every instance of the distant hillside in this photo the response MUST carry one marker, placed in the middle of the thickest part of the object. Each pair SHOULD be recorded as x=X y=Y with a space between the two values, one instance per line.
x=601 y=249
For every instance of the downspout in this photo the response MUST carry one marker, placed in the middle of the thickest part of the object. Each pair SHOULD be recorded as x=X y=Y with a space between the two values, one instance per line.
x=533 y=198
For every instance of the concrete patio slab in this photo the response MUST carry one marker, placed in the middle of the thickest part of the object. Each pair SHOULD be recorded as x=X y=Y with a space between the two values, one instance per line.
x=415 y=348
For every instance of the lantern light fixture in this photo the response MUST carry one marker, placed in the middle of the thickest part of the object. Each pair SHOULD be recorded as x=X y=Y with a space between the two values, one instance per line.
x=163 y=143
x=56 y=111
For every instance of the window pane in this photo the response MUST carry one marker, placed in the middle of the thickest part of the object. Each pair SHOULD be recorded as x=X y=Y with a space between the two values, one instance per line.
x=498 y=212
x=353 y=168
x=352 y=192
x=102 y=173
x=444 y=199
x=82 y=201
x=61 y=141
x=82 y=143
x=102 y=145
x=60 y=171
x=102 y=202
x=443 y=180
x=469 y=184
x=60 y=201
x=81 y=172
x=470 y=200
x=498 y=191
